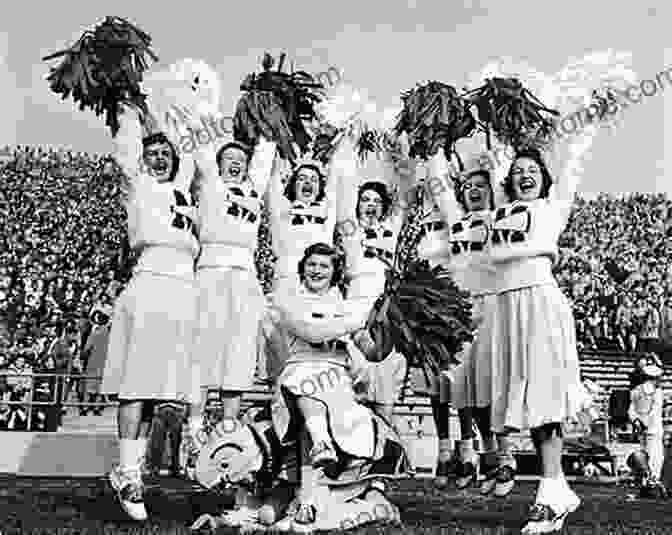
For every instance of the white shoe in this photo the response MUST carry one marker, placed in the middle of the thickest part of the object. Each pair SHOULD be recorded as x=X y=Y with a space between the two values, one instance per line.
x=543 y=518
x=240 y=517
x=127 y=483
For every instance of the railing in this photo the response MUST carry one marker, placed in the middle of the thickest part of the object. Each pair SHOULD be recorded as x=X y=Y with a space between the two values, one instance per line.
x=58 y=384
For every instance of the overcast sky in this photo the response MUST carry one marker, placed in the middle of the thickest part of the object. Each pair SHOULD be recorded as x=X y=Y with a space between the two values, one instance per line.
x=383 y=46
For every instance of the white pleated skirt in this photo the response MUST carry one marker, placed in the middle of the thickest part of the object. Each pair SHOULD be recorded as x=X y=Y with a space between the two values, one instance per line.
x=231 y=306
x=534 y=375
x=472 y=378
x=151 y=340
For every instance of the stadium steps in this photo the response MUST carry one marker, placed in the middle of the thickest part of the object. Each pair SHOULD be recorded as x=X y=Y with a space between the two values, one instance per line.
x=105 y=423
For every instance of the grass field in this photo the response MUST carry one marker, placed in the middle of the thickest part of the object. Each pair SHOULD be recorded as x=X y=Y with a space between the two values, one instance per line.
x=50 y=506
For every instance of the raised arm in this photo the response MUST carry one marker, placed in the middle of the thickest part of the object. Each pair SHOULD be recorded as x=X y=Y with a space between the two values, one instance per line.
x=402 y=173
x=127 y=150
x=344 y=177
x=439 y=185
x=261 y=166
x=275 y=194
x=570 y=159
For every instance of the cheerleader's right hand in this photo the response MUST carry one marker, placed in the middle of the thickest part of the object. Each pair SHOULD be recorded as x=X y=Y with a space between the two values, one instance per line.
x=364 y=342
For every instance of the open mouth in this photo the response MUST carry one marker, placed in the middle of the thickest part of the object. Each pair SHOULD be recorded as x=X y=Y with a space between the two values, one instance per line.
x=475 y=196
x=307 y=191
x=527 y=185
x=316 y=278
x=235 y=170
x=370 y=211
x=160 y=167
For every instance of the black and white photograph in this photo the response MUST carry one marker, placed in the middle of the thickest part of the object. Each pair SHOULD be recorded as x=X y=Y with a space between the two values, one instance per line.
x=335 y=267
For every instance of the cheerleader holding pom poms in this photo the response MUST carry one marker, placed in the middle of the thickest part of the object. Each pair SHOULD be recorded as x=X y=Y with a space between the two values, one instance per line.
x=149 y=356
x=536 y=383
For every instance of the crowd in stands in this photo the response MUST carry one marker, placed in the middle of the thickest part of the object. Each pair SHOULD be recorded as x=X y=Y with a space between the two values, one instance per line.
x=614 y=267
x=63 y=252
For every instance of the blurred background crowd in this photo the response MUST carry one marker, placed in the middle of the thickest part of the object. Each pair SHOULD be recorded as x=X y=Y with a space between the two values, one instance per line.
x=64 y=258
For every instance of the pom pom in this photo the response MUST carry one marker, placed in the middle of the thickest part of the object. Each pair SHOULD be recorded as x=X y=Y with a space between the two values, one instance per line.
x=424 y=315
x=513 y=113
x=421 y=312
x=276 y=105
x=434 y=116
x=104 y=68
x=349 y=110
x=179 y=97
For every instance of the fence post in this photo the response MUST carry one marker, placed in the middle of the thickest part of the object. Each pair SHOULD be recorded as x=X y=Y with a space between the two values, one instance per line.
x=29 y=420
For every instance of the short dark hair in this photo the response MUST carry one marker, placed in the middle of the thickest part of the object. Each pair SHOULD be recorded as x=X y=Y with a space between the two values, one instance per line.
x=290 y=192
x=381 y=190
x=323 y=249
x=161 y=138
x=535 y=156
x=459 y=189
x=246 y=149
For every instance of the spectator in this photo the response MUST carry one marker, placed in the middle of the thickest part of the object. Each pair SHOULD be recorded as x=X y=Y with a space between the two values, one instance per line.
x=95 y=354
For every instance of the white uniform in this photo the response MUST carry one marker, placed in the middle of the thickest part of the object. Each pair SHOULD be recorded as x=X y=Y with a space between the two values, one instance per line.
x=151 y=338
x=231 y=302
x=535 y=364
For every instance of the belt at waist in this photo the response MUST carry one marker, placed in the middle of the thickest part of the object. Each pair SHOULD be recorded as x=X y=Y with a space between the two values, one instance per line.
x=165 y=260
x=524 y=273
x=220 y=255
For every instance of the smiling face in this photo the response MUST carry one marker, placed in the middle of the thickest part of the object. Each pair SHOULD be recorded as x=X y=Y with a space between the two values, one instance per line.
x=526 y=179
x=307 y=185
x=233 y=165
x=319 y=271
x=477 y=193
x=158 y=158
x=370 y=206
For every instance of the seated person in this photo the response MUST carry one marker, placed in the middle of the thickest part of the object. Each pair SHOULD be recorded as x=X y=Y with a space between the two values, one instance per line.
x=314 y=404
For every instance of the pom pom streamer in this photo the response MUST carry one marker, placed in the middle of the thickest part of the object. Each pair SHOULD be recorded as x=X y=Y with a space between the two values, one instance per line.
x=181 y=95
x=350 y=111
x=510 y=111
x=424 y=315
x=103 y=68
x=434 y=117
x=421 y=312
x=276 y=104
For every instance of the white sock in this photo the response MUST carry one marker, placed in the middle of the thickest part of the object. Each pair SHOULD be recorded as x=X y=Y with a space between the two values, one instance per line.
x=131 y=452
x=318 y=429
x=195 y=422
x=556 y=493
x=542 y=490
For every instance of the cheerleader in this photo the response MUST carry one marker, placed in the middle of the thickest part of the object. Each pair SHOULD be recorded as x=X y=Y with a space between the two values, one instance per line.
x=231 y=302
x=369 y=222
x=535 y=381
x=316 y=380
x=301 y=213
x=472 y=271
x=438 y=204
x=153 y=324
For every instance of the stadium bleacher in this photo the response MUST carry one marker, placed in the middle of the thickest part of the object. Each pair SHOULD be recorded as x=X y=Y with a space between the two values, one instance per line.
x=62 y=253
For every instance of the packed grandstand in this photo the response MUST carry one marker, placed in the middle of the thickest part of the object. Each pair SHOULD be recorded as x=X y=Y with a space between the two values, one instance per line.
x=63 y=254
